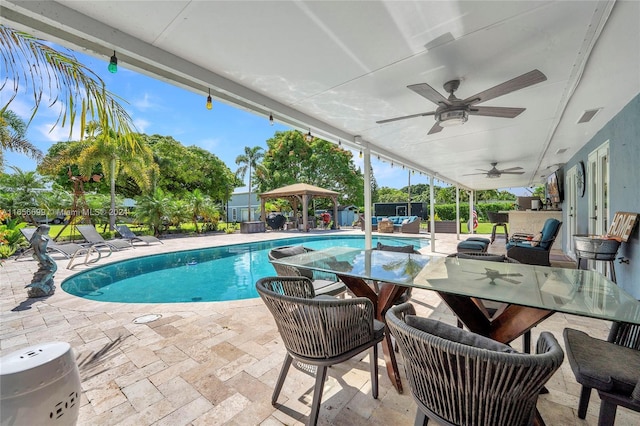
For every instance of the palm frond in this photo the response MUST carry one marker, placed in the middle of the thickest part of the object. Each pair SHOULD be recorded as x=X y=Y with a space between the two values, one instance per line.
x=58 y=76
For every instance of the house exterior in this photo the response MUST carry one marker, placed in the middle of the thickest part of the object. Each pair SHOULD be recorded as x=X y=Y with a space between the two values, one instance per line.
x=611 y=162
x=237 y=207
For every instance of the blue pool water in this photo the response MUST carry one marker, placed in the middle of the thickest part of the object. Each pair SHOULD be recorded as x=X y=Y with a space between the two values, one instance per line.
x=203 y=275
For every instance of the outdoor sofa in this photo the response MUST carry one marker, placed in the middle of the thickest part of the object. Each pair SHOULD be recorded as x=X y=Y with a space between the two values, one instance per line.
x=404 y=224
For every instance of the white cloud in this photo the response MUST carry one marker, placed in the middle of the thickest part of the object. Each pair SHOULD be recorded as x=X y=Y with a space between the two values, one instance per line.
x=58 y=133
x=145 y=103
x=141 y=124
x=20 y=107
x=210 y=144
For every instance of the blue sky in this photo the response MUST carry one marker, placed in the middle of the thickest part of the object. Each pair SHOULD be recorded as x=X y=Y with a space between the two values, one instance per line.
x=157 y=107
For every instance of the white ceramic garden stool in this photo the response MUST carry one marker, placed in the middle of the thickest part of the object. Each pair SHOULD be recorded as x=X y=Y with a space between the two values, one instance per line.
x=40 y=385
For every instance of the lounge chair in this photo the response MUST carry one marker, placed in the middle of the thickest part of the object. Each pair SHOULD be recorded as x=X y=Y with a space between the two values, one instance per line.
x=128 y=235
x=91 y=235
x=69 y=250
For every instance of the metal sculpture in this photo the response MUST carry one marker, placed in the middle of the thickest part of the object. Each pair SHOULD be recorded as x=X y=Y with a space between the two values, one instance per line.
x=42 y=282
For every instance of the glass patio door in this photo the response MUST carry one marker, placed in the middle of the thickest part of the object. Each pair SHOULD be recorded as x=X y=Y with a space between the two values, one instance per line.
x=571 y=205
x=598 y=187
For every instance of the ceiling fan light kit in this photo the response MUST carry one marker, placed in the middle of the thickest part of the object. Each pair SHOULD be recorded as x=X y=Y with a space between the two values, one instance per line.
x=452 y=118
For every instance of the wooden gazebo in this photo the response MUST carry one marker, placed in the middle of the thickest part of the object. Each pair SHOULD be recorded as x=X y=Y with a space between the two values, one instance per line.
x=300 y=193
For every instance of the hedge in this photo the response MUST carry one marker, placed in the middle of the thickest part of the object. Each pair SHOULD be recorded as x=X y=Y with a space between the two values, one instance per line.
x=448 y=211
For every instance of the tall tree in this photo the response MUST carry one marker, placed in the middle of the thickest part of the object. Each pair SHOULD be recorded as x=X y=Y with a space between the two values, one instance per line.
x=185 y=169
x=13 y=132
x=58 y=78
x=248 y=162
x=102 y=148
x=23 y=198
x=292 y=159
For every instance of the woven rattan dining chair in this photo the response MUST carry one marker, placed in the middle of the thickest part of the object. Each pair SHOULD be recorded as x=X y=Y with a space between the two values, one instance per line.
x=320 y=331
x=323 y=283
x=461 y=378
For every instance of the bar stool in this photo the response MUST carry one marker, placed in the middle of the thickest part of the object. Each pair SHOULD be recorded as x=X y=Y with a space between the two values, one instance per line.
x=499 y=219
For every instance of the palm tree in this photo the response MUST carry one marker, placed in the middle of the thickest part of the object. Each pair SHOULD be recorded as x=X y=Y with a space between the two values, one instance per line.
x=102 y=147
x=60 y=80
x=197 y=203
x=247 y=162
x=154 y=210
x=13 y=130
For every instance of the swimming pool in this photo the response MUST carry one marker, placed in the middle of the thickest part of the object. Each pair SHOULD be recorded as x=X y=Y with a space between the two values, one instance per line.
x=203 y=275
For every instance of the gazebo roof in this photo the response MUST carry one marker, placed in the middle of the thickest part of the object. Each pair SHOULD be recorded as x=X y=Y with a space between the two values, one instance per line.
x=299 y=189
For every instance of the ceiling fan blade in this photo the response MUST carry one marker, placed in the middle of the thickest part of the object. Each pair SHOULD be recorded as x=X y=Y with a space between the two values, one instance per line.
x=510 y=169
x=474 y=174
x=520 y=82
x=426 y=91
x=503 y=112
x=511 y=173
x=435 y=129
x=404 y=117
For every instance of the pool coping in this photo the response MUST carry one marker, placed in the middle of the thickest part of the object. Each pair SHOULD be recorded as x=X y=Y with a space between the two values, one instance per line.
x=62 y=299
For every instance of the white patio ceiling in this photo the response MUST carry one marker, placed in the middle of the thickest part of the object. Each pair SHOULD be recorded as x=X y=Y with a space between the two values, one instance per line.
x=335 y=68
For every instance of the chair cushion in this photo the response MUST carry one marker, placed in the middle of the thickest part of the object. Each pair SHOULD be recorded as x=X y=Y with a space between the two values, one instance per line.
x=281 y=252
x=549 y=231
x=327 y=287
x=485 y=241
x=524 y=244
x=600 y=364
x=400 y=249
x=456 y=334
x=378 y=328
x=471 y=246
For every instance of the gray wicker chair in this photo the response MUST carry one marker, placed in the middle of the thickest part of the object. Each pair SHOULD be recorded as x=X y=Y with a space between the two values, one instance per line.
x=461 y=378
x=617 y=382
x=320 y=331
x=323 y=283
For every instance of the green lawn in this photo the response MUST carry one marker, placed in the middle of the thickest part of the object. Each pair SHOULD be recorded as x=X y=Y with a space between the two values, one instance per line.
x=70 y=233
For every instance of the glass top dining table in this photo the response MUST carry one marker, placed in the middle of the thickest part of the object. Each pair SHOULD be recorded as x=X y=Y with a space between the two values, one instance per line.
x=580 y=292
x=529 y=293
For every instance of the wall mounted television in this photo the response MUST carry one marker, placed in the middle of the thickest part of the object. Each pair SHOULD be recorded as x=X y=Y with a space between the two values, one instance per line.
x=555 y=191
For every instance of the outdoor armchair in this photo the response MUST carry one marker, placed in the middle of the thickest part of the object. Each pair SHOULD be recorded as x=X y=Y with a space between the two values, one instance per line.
x=461 y=378
x=320 y=331
x=534 y=249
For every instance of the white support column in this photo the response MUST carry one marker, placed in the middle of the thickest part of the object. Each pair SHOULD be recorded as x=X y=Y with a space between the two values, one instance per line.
x=367 y=197
x=457 y=212
x=432 y=214
x=470 y=224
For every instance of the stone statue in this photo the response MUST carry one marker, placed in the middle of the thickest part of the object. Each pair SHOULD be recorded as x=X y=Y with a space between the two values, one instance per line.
x=42 y=283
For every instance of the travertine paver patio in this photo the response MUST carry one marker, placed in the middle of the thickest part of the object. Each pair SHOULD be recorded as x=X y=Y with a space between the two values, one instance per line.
x=216 y=363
